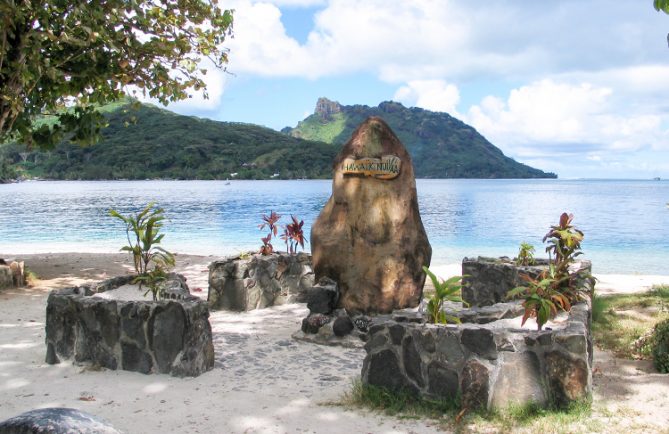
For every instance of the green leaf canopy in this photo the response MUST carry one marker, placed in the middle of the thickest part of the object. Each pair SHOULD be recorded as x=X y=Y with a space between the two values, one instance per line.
x=79 y=53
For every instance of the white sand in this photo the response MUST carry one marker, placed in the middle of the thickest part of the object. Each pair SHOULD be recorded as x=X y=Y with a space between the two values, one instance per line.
x=128 y=292
x=627 y=283
x=262 y=382
x=559 y=322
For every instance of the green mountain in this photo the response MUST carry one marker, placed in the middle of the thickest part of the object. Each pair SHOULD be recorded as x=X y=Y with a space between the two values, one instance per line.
x=147 y=142
x=440 y=145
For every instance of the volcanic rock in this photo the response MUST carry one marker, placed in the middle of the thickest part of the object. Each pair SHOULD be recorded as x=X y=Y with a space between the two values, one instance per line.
x=369 y=237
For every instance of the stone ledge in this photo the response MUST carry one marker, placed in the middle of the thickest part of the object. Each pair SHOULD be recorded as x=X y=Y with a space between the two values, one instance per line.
x=12 y=274
x=486 y=366
x=487 y=280
x=171 y=337
x=256 y=282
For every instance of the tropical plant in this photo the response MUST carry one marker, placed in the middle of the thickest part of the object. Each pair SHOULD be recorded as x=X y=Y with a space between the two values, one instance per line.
x=58 y=53
x=564 y=245
x=270 y=221
x=293 y=235
x=525 y=254
x=542 y=297
x=154 y=280
x=444 y=290
x=143 y=234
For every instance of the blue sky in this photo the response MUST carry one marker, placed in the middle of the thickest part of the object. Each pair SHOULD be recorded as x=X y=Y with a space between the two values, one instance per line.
x=580 y=88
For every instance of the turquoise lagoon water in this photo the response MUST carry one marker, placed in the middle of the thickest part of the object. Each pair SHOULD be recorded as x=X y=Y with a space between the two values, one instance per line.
x=625 y=222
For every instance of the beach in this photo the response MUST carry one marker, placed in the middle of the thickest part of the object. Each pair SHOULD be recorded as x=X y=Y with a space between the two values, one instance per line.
x=263 y=381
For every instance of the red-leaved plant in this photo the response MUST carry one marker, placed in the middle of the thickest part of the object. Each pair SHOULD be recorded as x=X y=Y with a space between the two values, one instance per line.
x=269 y=221
x=293 y=235
x=564 y=245
x=556 y=288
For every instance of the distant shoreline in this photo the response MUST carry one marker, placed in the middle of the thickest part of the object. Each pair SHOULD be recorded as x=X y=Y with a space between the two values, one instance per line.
x=18 y=181
x=441 y=267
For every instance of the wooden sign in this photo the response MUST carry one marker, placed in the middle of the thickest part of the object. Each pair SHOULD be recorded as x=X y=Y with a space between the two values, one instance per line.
x=386 y=167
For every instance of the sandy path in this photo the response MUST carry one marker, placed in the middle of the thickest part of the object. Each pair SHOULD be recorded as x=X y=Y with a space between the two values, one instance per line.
x=263 y=381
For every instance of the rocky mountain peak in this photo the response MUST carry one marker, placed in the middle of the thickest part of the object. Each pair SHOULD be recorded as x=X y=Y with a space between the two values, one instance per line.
x=326 y=108
x=391 y=107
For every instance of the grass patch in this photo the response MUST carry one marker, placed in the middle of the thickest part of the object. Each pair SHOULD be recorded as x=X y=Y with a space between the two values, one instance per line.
x=620 y=321
x=533 y=418
x=401 y=404
x=30 y=276
x=448 y=416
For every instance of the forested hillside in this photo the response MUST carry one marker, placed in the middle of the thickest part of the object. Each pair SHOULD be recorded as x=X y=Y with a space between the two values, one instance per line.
x=148 y=142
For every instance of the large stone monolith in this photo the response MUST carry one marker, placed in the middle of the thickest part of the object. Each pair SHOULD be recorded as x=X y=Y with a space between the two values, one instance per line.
x=369 y=236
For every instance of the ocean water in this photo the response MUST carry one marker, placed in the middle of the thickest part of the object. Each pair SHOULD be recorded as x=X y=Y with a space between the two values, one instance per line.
x=625 y=222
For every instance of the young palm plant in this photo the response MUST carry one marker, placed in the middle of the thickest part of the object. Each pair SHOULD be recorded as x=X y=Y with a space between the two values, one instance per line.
x=445 y=290
x=143 y=234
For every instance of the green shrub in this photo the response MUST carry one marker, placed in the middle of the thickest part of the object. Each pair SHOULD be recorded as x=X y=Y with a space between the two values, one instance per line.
x=660 y=342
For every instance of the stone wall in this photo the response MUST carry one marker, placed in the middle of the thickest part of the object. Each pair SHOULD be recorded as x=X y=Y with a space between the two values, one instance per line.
x=486 y=281
x=483 y=366
x=12 y=274
x=171 y=337
x=256 y=282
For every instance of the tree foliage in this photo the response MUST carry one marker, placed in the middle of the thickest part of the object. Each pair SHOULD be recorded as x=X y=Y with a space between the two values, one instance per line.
x=661 y=5
x=82 y=54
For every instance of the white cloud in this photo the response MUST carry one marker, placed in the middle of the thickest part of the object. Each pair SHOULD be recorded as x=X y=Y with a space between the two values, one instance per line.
x=348 y=36
x=260 y=44
x=215 y=80
x=435 y=95
x=401 y=40
x=549 y=118
x=544 y=110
